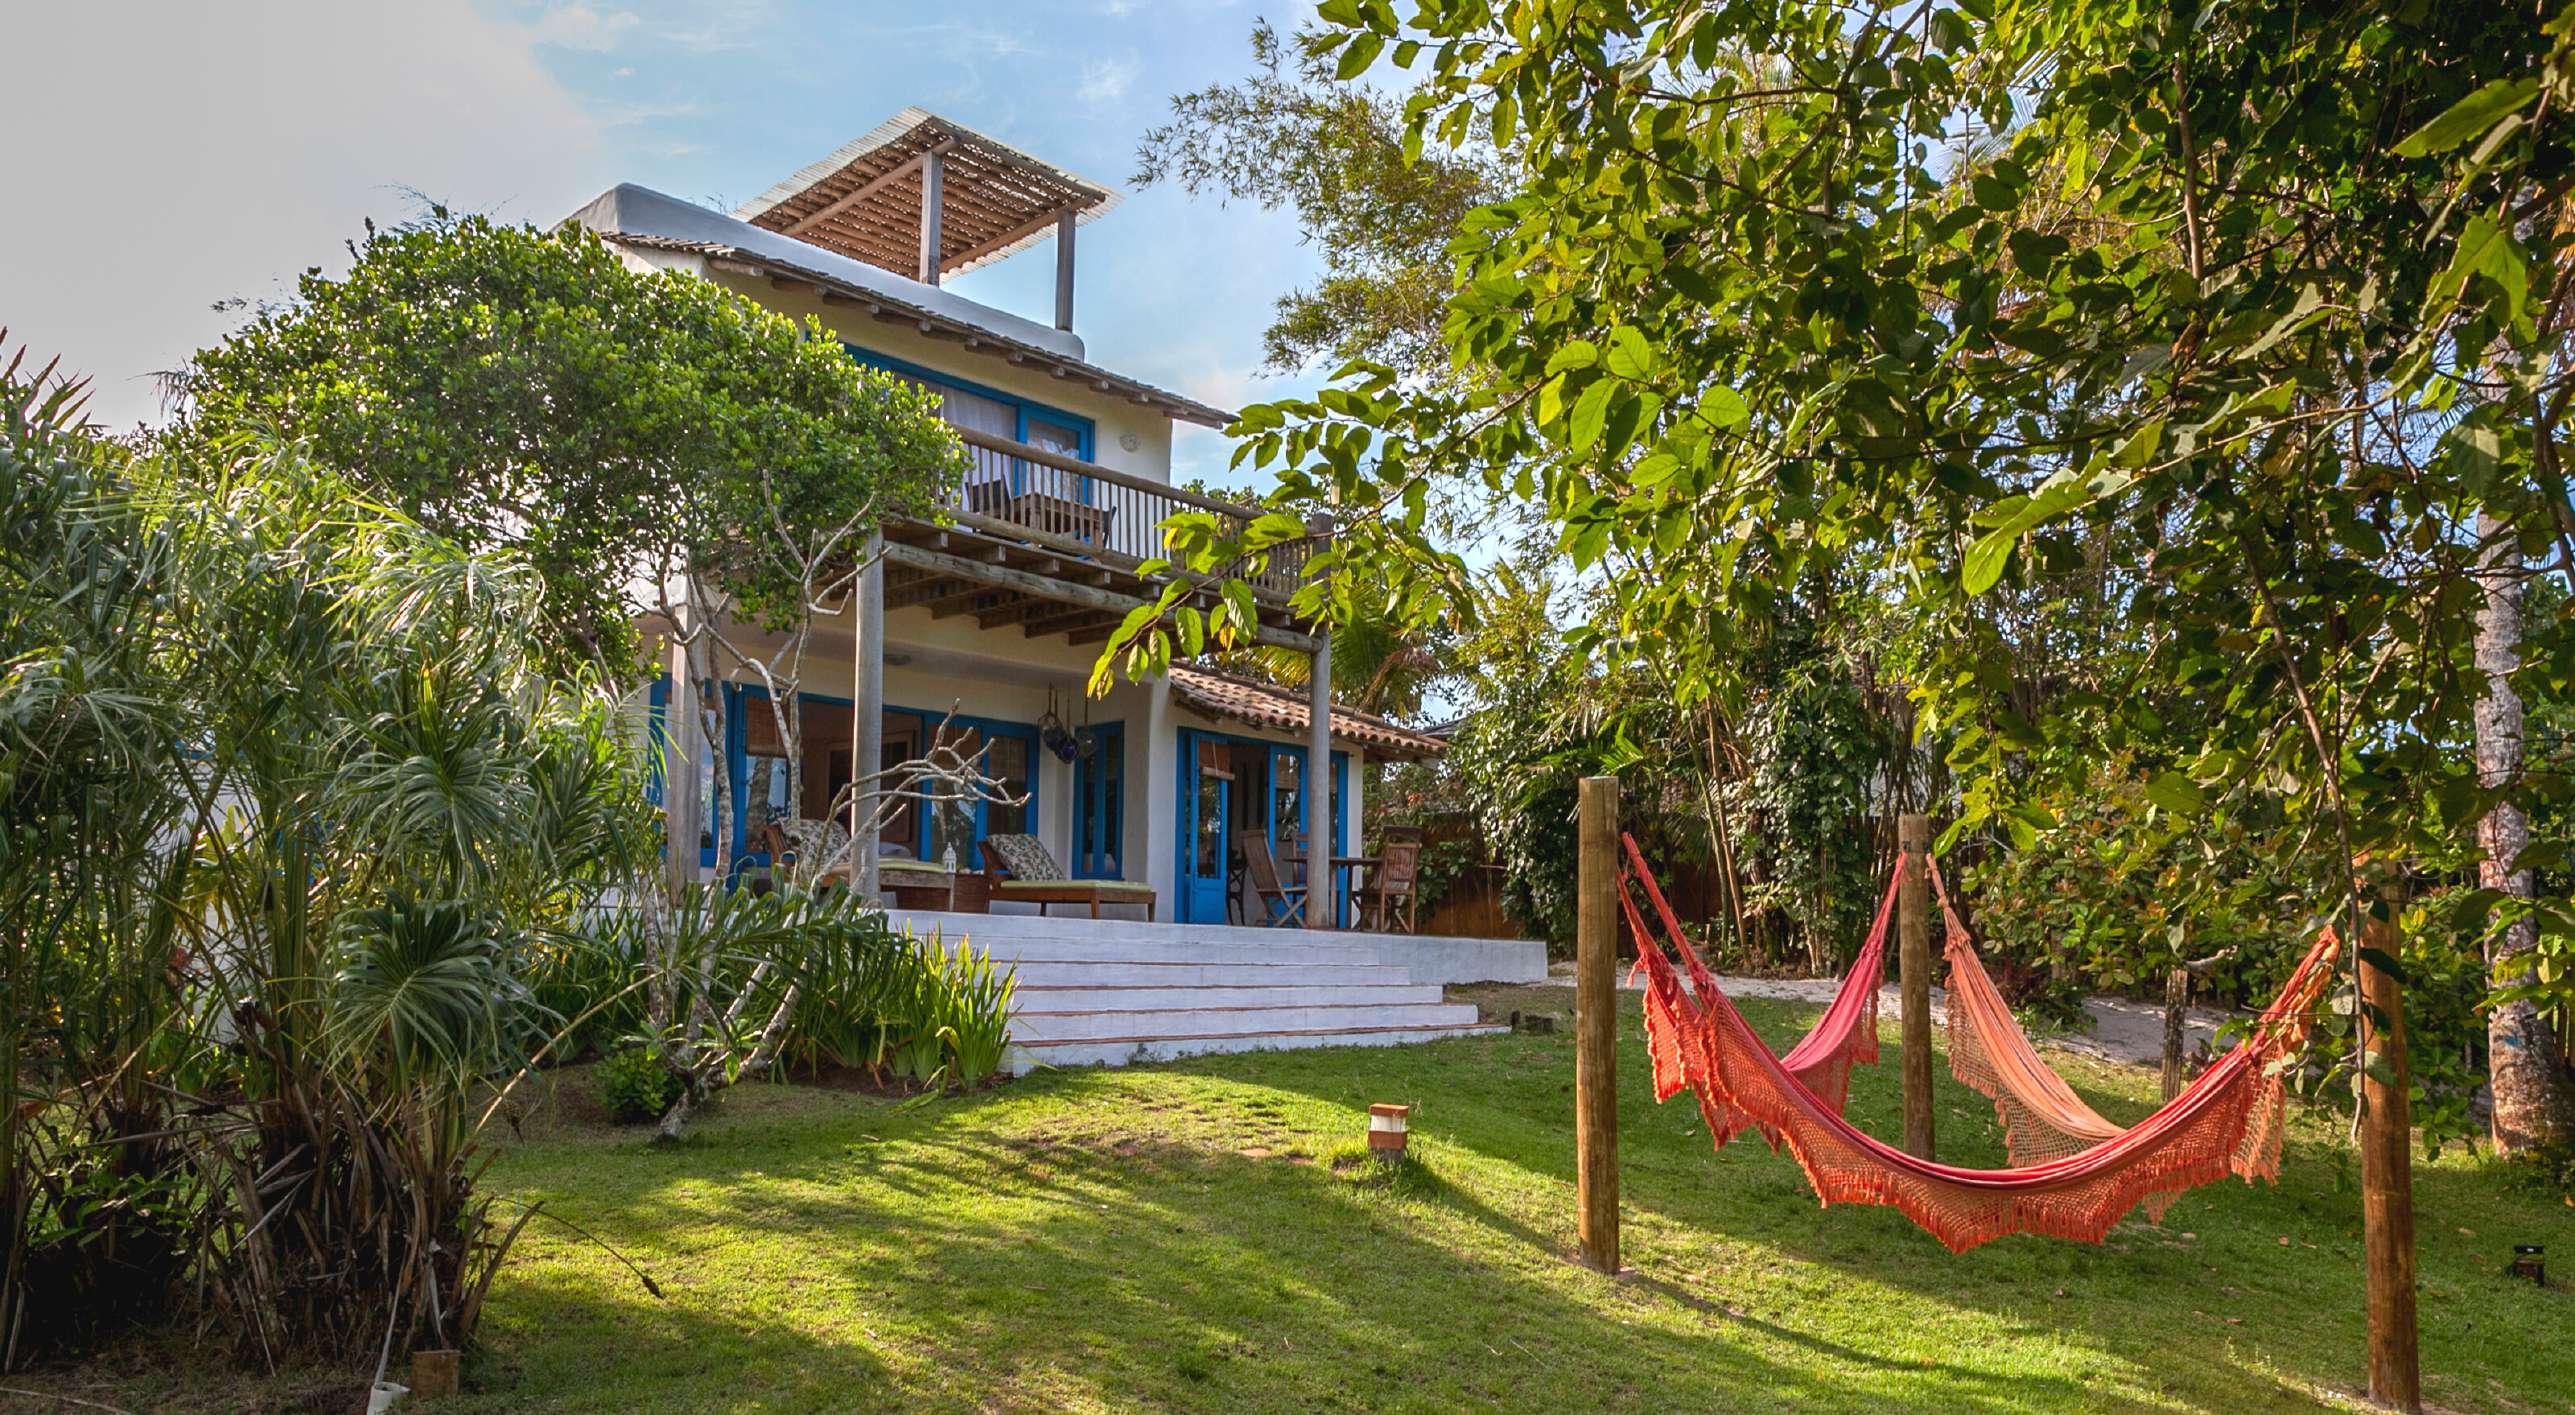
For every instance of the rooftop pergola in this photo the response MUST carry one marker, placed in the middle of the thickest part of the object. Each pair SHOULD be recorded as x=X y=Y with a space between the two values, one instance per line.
x=925 y=197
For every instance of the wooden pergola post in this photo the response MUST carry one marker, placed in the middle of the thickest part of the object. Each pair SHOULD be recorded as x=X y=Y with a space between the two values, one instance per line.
x=2387 y=1171
x=1064 y=225
x=1321 y=899
x=1913 y=963
x=934 y=184
x=1596 y=1023
x=867 y=713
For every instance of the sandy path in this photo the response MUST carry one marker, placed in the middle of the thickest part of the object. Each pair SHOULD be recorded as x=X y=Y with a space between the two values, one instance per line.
x=2123 y=1030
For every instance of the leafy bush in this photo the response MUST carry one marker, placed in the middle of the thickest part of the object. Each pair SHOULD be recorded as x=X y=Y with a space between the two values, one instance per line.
x=635 y=1086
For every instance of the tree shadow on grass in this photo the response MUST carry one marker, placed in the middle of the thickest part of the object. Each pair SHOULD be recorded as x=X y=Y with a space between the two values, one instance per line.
x=2206 y=1308
x=1034 y=1272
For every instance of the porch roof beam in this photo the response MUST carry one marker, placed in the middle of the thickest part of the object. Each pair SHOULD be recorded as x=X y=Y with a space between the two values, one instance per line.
x=1041 y=587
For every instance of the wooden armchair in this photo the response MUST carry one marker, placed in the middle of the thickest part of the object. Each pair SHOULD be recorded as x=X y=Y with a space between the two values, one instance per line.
x=1387 y=903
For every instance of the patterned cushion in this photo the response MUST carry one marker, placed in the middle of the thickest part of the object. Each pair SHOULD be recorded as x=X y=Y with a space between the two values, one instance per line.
x=820 y=845
x=1024 y=857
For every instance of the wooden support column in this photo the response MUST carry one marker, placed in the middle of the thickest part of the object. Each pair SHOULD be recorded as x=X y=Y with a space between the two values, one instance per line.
x=933 y=196
x=1913 y=962
x=680 y=786
x=867 y=706
x=1596 y=1022
x=1064 y=269
x=2387 y=1172
x=1320 y=896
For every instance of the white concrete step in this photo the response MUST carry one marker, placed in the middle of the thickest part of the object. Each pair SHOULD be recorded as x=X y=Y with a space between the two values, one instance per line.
x=1028 y=1027
x=1431 y=959
x=1074 y=950
x=1114 y=972
x=1055 y=997
x=1121 y=1051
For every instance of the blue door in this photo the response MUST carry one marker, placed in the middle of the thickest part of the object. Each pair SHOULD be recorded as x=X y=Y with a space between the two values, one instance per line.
x=1206 y=848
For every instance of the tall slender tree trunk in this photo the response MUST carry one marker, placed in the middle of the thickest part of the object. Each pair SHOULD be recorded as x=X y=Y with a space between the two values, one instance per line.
x=719 y=816
x=2534 y=1097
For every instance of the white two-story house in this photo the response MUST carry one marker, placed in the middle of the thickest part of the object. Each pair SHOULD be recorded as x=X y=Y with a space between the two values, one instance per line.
x=991 y=620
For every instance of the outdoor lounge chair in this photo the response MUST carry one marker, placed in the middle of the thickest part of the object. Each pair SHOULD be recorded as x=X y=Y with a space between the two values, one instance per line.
x=1280 y=902
x=1021 y=870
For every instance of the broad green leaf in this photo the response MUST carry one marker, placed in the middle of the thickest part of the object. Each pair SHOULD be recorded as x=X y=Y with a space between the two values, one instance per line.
x=1590 y=410
x=1630 y=357
x=1573 y=354
x=2177 y=793
x=2468 y=117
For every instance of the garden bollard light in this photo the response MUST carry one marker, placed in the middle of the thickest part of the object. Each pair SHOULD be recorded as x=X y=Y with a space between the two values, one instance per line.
x=1387 y=1129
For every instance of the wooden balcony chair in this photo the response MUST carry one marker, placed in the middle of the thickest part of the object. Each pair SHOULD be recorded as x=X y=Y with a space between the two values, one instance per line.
x=1280 y=903
x=1387 y=900
x=1021 y=870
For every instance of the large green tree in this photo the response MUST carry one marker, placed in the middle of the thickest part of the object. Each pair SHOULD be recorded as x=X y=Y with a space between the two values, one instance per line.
x=511 y=387
x=2251 y=320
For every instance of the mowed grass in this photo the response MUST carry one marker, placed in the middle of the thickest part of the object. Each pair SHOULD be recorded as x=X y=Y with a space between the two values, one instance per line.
x=1192 y=1236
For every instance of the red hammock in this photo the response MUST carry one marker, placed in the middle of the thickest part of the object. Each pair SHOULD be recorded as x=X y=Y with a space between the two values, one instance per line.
x=1847 y=1032
x=2226 y=1122
x=2043 y=1119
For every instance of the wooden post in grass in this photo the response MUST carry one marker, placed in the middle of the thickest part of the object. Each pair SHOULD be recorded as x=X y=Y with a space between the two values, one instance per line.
x=1596 y=1024
x=1913 y=964
x=2387 y=1169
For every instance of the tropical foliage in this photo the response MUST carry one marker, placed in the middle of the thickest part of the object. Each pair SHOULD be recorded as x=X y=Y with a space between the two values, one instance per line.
x=2187 y=386
x=313 y=853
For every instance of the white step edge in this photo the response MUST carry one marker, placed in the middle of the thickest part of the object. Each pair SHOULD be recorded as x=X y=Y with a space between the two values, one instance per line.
x=1121 y=1051
x=1221 y=1021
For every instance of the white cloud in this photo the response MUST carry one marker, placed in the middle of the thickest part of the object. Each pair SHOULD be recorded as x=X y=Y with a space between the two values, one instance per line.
x=578 y=26
x=239 y=145
x=1106 y=80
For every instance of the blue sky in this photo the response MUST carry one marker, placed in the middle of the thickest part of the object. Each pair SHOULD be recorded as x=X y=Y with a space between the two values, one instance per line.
x=247 y=141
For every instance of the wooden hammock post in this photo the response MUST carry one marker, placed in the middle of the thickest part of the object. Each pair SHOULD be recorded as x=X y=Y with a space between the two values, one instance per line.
x=1913 y=962
x=1596 y=1024
x=2387 y=1172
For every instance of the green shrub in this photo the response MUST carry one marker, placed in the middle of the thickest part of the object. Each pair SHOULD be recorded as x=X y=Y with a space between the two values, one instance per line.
x=634 y=1085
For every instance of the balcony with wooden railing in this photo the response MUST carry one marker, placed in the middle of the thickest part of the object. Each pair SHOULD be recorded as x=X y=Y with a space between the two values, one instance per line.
x=1057 y=545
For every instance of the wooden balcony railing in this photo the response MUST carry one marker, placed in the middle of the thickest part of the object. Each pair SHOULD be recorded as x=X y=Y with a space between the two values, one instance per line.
x=1092 y=513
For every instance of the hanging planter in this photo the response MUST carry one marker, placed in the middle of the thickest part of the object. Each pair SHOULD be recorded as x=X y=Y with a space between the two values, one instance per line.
x=1054 y=736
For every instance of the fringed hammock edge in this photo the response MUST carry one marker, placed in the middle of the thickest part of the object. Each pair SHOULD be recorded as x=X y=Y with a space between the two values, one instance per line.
x=2226 y=1122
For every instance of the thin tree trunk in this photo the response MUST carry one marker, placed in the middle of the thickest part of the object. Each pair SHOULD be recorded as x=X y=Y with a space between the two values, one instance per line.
x=2534 y=1099
x=719 y=823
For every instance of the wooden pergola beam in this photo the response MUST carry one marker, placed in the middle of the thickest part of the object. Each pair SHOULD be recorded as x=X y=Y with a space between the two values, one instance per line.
x=1039 y=586
x=868 y=189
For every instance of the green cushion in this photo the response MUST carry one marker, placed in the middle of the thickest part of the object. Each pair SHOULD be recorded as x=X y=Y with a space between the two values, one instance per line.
x=911 y=867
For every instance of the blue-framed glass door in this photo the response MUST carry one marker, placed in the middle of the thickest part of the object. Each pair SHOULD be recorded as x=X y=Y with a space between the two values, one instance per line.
x=1099 y=804
x=1289 y=815
x=1206 y=842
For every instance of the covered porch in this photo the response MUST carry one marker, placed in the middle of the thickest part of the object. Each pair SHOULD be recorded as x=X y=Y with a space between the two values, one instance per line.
x=979 y=633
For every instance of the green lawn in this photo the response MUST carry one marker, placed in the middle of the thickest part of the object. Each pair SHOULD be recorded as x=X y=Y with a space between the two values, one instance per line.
x=1178 y=1236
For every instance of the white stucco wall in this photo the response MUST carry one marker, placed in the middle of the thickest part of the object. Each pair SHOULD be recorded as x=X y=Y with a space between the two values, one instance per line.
x=1115 y=419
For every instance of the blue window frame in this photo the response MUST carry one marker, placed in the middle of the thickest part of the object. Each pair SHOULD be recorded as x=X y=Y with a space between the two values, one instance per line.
x=1099 y=804
x=1028 y=412
x=1009 y=750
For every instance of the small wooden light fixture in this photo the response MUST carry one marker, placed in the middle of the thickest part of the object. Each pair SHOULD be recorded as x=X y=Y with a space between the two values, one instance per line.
x=2528 y=1262
x=1387 y=1129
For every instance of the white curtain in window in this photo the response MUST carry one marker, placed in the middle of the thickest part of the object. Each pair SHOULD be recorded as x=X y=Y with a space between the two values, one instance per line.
x=981 y=414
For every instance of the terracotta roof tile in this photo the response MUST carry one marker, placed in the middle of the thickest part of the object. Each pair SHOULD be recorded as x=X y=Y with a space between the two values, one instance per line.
x=1222 y=695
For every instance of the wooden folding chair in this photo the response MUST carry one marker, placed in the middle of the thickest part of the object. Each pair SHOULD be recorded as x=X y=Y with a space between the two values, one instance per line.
x=1281 y=903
